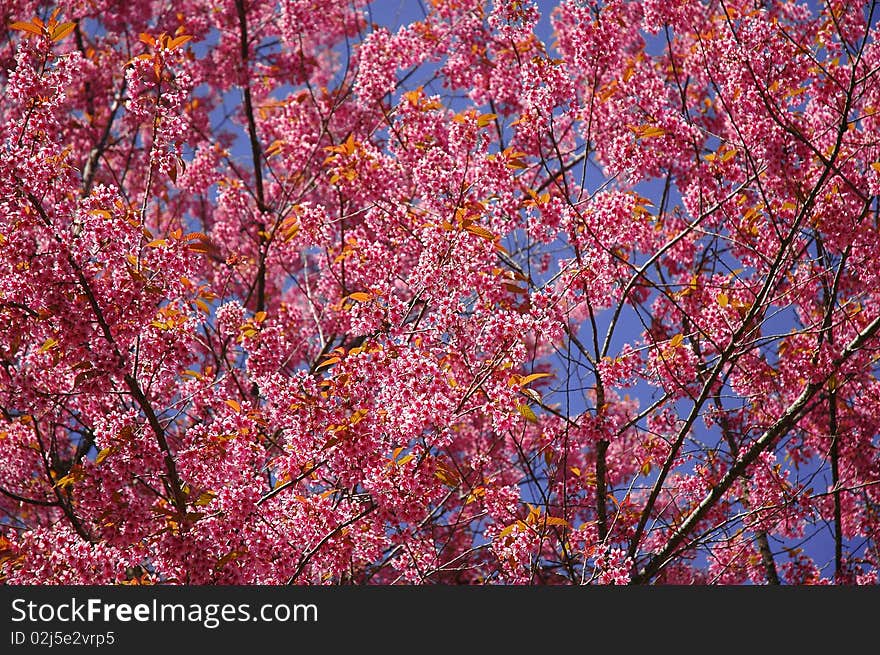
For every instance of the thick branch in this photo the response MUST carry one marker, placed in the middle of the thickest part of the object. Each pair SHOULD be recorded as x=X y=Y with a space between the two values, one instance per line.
x=767 y=439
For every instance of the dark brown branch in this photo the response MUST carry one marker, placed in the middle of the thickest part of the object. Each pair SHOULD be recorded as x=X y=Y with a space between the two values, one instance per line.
x=65 y=504
x=601 y=474
x=131 y=382
x=281 y=487
x=767 y=559
x=256 y=152
x=29 y=501
x=171 y=468
x=308 y=555
x=835 y=481
x=767 y=439
x=770 y=572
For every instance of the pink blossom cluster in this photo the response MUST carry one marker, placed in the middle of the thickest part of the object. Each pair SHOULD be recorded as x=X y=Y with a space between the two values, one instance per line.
x=290 y=296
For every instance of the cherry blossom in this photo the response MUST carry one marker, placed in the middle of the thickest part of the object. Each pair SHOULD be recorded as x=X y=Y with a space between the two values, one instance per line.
x=299 y=296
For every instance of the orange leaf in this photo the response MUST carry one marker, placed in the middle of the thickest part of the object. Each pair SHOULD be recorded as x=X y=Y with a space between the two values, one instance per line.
x=357 y=416
x=202 y=243
x=350 y=145
x=360 y=296
x=413 y=96
x=275 y=147
x=179 y=41
x=534 y=376
x=481 y=232
x=519 y=525
x=233 y=404
x=649 y=131
x=476 y=494
x=27 y=27
x=328 y=362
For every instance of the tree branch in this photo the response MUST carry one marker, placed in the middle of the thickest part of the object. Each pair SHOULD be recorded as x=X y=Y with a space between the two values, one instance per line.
x=782 y=425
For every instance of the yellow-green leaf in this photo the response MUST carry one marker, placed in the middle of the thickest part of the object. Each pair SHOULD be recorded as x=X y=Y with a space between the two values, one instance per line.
x=62 y=30
x=510 y=528
x=555 y=520
x=205 y=498
x=64 y=482
x=527 y=413
x=534 y=376
x=48 y=344
x=447 y=476
x=102 y=455
x=228 y=557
